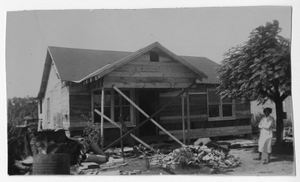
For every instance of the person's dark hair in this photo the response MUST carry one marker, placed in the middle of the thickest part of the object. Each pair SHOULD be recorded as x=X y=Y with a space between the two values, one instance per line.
x=270 y=109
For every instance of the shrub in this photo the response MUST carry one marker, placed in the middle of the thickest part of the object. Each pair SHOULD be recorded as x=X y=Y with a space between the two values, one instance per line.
x=92 y=130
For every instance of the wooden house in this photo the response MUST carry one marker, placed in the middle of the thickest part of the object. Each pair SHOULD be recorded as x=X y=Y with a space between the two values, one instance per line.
x=77 y=82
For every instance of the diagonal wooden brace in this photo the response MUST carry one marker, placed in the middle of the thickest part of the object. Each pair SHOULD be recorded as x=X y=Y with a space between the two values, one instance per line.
x=145 y=114
x=119 y=126
x=153 y=115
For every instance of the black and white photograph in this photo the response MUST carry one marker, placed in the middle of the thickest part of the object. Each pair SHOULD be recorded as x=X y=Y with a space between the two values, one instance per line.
x=153 y=91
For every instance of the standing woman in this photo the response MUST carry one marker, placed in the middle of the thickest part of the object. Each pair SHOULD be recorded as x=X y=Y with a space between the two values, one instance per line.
x=266 y=134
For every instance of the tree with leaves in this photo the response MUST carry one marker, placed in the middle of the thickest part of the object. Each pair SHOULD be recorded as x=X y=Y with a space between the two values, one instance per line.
x=18 y=108
x=260 y=70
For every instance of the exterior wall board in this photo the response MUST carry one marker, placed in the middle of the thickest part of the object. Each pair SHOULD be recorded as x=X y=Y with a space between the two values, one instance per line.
x=53 y=93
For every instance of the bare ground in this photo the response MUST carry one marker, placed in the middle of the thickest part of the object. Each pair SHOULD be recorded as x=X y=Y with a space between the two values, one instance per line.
x=280 y=165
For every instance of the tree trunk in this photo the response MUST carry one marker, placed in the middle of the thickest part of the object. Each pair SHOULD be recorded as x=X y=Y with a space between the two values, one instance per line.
x=279 y=122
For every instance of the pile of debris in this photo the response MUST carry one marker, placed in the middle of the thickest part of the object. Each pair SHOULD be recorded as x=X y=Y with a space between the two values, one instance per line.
x=194 y=155
x=89 y=159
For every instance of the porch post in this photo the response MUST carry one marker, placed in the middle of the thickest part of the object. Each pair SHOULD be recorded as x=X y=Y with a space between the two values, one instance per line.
x=188 y=116
x=102 y=119
x=183 y=119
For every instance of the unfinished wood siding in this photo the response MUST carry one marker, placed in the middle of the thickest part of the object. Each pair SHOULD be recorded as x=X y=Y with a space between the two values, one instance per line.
x=51 y=102
x=212 y=132
x=80 y=104
x=65 y=107
x=201 y=125
x=143 y=73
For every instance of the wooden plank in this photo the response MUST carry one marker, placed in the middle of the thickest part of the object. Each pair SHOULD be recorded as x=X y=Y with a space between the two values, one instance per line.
x=142 y=58
x=158 y=67
x=77 y=88
x=145 y=58
x=179 y=117
x=204 y=135
x=212 y=130
x=179 y=121
x=146 y=85
x=188 y=115
x=147 y=79
x=182 y=119
x=102 y=119
x=151 y=74
x=80 y=124
x=168 y=122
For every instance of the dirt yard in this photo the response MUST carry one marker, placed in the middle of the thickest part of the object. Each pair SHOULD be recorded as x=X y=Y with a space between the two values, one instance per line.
x=280 y=165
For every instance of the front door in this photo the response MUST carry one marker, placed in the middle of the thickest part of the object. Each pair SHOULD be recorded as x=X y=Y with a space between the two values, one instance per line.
x=147 y=102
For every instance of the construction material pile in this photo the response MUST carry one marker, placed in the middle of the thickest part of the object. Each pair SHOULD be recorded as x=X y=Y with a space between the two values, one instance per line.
x=193 y=155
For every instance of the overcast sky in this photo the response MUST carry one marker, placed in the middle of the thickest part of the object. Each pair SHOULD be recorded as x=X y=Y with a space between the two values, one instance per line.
x=207 y=32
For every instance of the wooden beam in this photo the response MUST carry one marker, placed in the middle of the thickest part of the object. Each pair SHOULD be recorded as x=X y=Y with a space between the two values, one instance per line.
x=148 y=79
x=188 y=115
x=209 y=132
x=183 y=119
x=119 y=126
x=102 y=119
x=154 y=67
x=145 y=114
x=122 y=147
x=151 y=74
x=153 y=115
x=146 y=85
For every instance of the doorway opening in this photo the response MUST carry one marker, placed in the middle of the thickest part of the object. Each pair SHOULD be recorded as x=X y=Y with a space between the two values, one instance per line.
x=148 y=103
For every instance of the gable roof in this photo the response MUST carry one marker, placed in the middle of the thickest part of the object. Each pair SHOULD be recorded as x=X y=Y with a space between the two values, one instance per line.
x=157 y=46
x=78 y=65
x=206 y=65
x=75 y=64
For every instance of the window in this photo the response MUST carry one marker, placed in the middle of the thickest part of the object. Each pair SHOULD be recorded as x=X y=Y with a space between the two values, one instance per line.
x=97 y=104
x=115 y=105
x=227 y=107
x=213 y=104
x=218 y=107
x=122 y=106
x=154 y=57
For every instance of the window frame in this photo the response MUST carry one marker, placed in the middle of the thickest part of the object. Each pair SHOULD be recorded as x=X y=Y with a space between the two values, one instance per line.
x=220 y=117
x=112 y=106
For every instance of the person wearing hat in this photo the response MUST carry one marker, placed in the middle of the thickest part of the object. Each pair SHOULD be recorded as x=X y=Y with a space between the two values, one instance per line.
x=266 y=126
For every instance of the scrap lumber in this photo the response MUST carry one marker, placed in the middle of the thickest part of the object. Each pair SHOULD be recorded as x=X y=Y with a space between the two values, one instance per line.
x=195 y=156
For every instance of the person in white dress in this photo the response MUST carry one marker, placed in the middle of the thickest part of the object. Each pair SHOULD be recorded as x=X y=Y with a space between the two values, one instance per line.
x=266 y=126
